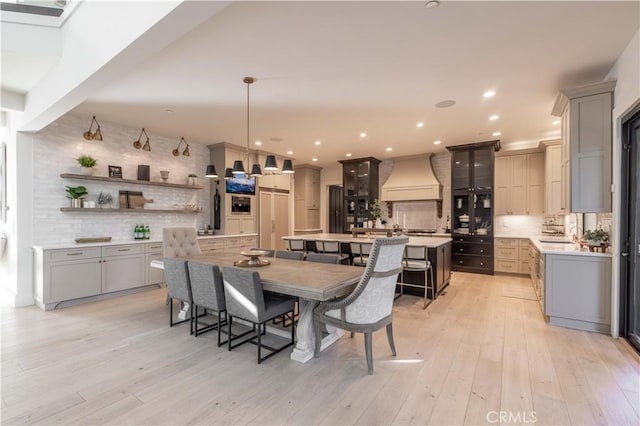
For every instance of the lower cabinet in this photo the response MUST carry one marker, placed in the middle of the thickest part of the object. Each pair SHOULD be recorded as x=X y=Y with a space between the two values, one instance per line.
x=153 y=251
x=472 y=253
x=122 y=267
x=440 y=258
x=240 y=225
x=511 y=255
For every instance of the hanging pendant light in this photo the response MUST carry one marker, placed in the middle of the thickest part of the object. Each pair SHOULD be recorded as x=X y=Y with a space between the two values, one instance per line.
x=287 y=167
x=228 y=173
x=270 y=163
x=211 y=171
x=238 y=166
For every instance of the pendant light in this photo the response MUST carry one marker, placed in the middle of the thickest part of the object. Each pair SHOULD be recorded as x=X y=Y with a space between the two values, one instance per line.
x=238 y=165
x=211 y=171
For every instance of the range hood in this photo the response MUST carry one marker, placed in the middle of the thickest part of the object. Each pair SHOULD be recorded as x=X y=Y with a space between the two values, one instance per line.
x=412 y=179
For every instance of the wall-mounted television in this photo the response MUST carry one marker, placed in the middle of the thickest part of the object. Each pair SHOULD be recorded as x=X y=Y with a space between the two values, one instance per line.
x=241 y=185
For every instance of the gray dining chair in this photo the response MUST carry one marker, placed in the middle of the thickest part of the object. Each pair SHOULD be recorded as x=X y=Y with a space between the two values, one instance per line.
x=291 y=255
x=176 y=274
x=207 y=291
x=416 y=260
x=369 y=306
x=180 y=242
x=324 y=258
x=245 y=299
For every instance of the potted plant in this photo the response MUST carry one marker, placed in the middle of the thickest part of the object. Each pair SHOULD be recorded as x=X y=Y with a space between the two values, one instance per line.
x=105 y=199
x=192 y=179
x=75 y=194
x=87 y=163
x=596 y=237
x=376 y=213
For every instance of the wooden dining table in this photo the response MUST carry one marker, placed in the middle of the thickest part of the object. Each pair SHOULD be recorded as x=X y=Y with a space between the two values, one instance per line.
x=311 y=282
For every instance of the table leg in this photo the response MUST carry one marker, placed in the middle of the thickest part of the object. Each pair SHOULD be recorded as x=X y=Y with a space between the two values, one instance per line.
x=305 y=339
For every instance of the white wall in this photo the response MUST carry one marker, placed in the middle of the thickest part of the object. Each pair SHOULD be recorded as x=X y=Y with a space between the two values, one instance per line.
x=627 y=94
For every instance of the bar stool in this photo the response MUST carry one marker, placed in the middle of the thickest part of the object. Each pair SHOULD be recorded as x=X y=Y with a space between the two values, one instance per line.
x=360 y=251
x=294 y=245
x=332 y=247
x=416 y=260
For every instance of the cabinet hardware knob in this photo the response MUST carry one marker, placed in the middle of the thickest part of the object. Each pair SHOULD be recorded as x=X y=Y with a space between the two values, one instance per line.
x=481 y=263
x=461 y=262
x=481 y=251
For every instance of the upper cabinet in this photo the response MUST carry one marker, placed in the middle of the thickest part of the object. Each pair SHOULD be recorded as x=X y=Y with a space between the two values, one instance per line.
x=519 y=183
x=553 y=177
x=307 y=197
x=360 y=188
x=472 y=170
x=586 y=147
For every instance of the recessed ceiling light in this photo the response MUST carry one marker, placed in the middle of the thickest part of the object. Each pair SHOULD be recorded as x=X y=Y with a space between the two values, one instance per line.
x=318 y=142
x=388 y=149
x=437 y=142
x=494 y=117
x=168 y=110
x=258 y=143
x=314 y=159
x=489 y=94
x=289 y=152
x=348 y=154
x=363 y=134
x=432 y=4
x=556 y=122
x=496 y=134
x=420 y=124
x=276 y=139
x=446 y=104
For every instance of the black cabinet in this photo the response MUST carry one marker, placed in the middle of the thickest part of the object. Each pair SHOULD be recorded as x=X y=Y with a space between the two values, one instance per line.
x=360 y=187
x=440 y=258
x=472 y=206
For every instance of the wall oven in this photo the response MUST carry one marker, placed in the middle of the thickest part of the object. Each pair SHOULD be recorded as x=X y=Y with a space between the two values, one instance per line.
x=240 y=205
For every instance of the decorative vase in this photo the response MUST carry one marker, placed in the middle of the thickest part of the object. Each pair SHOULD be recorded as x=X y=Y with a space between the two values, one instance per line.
x=86 y=171
x=164 y=174
x=192 y=181
x=378 y=223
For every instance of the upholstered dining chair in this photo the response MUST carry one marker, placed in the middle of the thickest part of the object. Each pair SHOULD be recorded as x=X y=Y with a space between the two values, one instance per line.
x=176 y=274
x=180 y=242
x=370 y=306
x=323 y=258
x=207 y=291
x=291 y=255
x=416 y=259
x=245 y=299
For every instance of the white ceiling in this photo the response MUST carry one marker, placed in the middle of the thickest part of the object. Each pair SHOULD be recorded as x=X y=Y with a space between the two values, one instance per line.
x=329 y=70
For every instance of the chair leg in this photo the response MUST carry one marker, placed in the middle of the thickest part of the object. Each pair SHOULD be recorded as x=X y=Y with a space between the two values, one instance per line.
x=390 y=339
x=318 y=336
x=259 y=343
x=353 y=334
x=229 y=330
x=170 y=312
x=368 y=351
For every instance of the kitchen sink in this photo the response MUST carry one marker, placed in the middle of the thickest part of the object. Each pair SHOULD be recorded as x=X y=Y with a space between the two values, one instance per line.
x=556 y=241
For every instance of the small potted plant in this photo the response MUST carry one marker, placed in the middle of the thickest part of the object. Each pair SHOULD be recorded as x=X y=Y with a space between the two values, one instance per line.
x=87 y=163
x=75 y=194
x=596 y=237
x=376 y=213
x=104 y=200
x=192 y=179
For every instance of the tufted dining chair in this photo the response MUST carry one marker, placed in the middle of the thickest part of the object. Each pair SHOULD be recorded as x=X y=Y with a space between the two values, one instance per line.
x=179 y=242
x=370 y=306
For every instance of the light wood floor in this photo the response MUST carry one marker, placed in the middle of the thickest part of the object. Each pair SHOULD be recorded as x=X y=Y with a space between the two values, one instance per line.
x=480 y=349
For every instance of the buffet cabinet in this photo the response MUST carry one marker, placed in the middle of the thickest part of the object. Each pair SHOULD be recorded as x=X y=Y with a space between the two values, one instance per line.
x=360 y=189
x=472 y=206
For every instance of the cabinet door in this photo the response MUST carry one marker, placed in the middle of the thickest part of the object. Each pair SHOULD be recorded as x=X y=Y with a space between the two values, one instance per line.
x=72 y=279
x=535 y=183
x=460 y=173
x=153 y=275
x=502 y=186
x=266 y=220
x=553 y=179
x=447 y=262
x=312 y=189
x=122 y=272
x=518 y=184
x=248 y=225
x=280 y=219
x=232 y=226
x=483 y=169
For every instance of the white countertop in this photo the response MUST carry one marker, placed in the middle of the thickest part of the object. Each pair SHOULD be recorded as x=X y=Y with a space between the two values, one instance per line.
x=123 y=242
x=347 y=238
x=570 y=249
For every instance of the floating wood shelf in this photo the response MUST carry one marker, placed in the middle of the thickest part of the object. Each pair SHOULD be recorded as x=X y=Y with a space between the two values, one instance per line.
x=128 y=181
x=81 y=210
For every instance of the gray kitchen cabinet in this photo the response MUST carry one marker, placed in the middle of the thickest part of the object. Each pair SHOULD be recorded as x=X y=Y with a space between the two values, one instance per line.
x=553 y=178
x=73 y=279
x=586 y=147
x=153 y=251
x=578 y=291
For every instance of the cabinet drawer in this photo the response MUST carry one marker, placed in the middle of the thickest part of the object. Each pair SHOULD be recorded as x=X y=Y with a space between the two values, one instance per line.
x=122 y=250
x=476 y=249
x=471 y=261
x=510 y=253
x=524 y=267
x=210 y=243
x=506 y=242
x=72 y=254
x=153 y=248
x=523 y=253
x=502 y=265
x=234 y=242
x=249 y=240
x=472 y=239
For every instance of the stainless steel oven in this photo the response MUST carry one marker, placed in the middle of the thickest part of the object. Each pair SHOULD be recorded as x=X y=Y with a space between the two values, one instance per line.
x=240 y=205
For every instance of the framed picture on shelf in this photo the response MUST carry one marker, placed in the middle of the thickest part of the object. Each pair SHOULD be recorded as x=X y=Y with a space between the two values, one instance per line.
x=115 y=172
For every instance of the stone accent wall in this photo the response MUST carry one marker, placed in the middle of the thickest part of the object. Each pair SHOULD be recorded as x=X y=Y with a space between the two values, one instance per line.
x=58 y=145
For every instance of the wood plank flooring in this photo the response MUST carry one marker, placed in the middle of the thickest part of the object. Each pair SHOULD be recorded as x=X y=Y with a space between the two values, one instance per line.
x=480 y=354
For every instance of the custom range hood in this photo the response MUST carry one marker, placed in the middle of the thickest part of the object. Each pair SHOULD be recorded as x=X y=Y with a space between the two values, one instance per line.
x=412 y=179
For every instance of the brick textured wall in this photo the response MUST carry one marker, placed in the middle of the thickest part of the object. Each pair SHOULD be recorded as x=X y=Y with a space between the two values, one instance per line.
x=58 y=145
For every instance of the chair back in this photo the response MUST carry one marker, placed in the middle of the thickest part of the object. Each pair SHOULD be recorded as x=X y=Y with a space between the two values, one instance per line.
x=243 y=293
x=416 y=257
x=207 y=288
x=328 y=246
x=360 y=252
x=372 y=299
x=176 y=275
x=294 y=245
x=292 y=255
x=179 y=242
x=323 y=258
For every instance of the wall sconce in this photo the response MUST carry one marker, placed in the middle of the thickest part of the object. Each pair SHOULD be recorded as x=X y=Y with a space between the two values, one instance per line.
x=176 y=151
x=138 y=145
x=95 y=136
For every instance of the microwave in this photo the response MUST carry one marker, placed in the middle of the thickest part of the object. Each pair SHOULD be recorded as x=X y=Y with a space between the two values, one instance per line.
x=240 y=205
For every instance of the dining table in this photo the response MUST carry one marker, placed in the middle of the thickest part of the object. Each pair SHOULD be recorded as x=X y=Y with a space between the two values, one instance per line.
x=310 y=282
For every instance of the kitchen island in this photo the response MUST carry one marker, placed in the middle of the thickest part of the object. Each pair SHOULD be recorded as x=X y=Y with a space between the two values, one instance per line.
x=438 y=249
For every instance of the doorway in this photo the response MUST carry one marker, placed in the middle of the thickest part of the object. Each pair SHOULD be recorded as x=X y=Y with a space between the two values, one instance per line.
x=335 y=209
x=630 y=231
